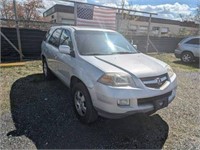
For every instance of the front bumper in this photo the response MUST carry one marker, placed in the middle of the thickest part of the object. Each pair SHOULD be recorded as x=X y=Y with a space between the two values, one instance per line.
x=105 y=99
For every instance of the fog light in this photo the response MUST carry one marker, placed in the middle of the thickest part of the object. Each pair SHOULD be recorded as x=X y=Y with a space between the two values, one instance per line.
x=123 y=102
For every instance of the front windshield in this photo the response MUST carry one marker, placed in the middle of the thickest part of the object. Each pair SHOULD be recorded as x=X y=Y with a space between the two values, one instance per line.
x=102 y=43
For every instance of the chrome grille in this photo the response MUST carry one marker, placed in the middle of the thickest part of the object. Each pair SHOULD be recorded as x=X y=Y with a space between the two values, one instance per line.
x=156 y=81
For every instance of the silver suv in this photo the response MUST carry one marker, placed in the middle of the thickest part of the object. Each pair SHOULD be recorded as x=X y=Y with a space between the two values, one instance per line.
x=106 y=74
x=188 y=49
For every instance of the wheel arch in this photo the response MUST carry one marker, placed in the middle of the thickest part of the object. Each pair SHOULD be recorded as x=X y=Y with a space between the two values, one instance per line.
x=186 y=51
x=83 y=78
x=74 y=80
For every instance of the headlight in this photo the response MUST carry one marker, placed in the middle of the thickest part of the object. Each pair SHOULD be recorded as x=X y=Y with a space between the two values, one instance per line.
x=116 y=79
x=170 y=71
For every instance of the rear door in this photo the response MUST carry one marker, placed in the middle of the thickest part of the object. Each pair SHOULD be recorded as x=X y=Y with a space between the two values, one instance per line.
x=52 y=46
x=44 y=42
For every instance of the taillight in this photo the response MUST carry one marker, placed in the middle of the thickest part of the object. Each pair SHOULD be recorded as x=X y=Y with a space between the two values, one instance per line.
x=178 y=46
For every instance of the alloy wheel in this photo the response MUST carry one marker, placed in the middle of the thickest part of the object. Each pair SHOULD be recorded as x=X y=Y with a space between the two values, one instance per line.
x=80 y=103
x=186 y=58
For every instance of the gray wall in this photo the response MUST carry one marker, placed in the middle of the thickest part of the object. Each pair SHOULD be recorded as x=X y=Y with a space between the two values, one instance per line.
x=163 y=44
x=32 y=38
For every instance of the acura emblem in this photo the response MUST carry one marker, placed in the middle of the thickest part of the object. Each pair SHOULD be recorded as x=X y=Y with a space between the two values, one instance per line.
x=159 y=82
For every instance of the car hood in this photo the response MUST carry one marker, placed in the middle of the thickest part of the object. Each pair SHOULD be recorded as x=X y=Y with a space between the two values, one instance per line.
x=138 y=64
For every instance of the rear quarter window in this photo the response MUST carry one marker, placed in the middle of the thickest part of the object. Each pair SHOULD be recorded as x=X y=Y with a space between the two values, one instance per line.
x=195 y=41
x=55 y=38
x=48 y=34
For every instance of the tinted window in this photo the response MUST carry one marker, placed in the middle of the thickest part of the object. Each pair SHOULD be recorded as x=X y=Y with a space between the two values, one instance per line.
x=49 y=32
x=65 y=39
x=194 y=41
x=46 y=36
x=55 y=38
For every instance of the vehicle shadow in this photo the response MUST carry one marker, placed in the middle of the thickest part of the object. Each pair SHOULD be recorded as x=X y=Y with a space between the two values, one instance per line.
x=43 y=112
x=193 y=64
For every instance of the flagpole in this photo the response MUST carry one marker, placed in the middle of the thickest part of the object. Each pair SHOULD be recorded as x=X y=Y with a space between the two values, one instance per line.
x=75 y=13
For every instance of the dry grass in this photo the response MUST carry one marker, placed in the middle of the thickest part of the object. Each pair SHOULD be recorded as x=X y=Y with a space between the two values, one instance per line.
x=9 y=75
x=175 y=63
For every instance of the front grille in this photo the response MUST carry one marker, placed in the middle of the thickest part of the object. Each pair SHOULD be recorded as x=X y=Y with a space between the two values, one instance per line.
x=150 y=100
x=156 y=81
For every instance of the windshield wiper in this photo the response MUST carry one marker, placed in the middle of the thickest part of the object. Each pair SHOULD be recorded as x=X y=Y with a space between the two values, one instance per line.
x=123 y=53
x=94 y=54
x=109 y=53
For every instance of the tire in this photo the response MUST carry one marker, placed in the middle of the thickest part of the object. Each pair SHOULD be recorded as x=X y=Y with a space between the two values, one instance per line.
x=48 y=75
x=83 y=106
x=187 y=57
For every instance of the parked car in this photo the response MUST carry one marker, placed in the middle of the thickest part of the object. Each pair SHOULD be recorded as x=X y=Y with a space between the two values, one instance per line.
x=106 y=74
x=188 y=49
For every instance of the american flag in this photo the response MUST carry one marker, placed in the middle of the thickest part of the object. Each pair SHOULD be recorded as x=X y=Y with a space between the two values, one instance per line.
x=95 y=16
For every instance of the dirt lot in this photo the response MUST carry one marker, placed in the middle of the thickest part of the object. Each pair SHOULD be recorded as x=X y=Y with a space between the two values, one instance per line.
x=38 y=114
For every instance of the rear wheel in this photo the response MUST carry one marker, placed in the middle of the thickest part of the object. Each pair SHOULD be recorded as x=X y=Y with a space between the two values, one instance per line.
x=187 y=57
x=48 y=75
x=82 y=104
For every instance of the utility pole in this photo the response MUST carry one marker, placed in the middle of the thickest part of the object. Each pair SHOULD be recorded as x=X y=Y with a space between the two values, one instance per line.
x=148 y=34
x=17 y=29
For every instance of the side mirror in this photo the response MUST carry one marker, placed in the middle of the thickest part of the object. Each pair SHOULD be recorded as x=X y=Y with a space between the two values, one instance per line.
x=65 y=49
x=135 y=46
x=132 y=43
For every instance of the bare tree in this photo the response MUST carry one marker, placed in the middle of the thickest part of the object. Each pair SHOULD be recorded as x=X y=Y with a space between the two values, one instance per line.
x=191 y=17
x=26 y=10
x=31 y=9
x=6 y=9
x=126 y=17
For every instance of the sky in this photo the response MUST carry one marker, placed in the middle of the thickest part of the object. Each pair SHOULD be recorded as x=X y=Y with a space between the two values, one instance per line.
x=167 y=9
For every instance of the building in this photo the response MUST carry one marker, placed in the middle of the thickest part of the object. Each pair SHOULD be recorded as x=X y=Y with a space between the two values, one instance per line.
x=138 y=25
x=129 y=24
x=60 y=14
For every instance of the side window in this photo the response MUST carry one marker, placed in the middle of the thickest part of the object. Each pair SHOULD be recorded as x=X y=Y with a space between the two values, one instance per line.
x=46 y=36
x=194 y=41
x=55 y=38
x=66 y=39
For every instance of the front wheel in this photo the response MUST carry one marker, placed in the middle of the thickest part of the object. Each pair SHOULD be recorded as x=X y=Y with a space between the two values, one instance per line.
x=82 y=104
x=187 y=57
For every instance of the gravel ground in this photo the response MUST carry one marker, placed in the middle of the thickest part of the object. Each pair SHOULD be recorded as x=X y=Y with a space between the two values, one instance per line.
x=40 y=116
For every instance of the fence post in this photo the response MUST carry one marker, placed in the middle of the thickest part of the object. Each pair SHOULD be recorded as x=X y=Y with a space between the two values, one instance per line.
x=17 y=29
x=75 y=13
x=148 y=34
